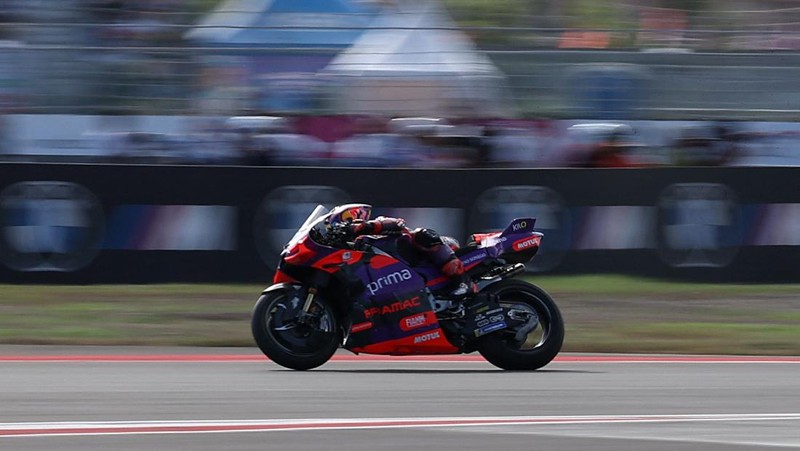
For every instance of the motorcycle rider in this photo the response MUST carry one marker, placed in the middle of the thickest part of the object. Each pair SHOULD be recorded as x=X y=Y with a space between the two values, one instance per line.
x=356 y=217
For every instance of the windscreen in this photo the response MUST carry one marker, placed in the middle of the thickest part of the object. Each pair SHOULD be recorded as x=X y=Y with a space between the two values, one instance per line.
x=318 y=213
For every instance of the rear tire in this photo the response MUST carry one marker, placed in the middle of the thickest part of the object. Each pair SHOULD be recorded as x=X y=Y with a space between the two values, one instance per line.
x=541 y=345
x=292 y=344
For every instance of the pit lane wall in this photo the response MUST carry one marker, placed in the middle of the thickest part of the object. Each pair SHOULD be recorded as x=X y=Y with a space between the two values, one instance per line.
x=74 y=223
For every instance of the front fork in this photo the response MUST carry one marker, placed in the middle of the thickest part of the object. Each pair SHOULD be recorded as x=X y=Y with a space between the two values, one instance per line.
x=319 y=279
x=308 y=315
x=309 y=301
x=304 y=315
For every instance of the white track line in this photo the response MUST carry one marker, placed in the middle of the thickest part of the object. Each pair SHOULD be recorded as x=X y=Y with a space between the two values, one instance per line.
x=90 y=428
x=366 y=359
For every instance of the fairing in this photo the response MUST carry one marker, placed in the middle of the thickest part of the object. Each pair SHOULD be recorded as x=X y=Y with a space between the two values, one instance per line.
x=390 y=310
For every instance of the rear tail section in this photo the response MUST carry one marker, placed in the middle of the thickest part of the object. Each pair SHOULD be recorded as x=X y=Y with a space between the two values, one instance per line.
x=519 y=225
x=521 y=242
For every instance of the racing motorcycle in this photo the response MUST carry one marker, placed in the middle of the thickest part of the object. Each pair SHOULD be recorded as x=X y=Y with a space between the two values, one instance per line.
x=379 y=295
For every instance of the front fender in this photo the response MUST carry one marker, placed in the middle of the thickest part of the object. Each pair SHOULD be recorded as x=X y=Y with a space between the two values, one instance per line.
x=282 y=286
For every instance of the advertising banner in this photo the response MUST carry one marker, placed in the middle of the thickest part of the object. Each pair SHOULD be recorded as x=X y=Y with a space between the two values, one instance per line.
x=77 y=223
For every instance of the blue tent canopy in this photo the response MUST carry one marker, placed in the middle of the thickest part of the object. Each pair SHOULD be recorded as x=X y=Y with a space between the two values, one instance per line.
x=323 y=24
x=314 y=6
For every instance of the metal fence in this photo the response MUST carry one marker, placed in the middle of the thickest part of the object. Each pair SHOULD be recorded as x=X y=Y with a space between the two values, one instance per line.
x=80 y=58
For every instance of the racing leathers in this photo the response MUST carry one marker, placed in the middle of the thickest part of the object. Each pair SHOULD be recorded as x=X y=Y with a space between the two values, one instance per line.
x=428 y=242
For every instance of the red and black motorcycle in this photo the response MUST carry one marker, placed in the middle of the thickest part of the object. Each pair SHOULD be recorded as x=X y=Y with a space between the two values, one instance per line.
x=379 y=295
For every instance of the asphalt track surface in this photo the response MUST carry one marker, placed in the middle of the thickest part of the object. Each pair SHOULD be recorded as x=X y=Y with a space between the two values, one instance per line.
x=234 y=399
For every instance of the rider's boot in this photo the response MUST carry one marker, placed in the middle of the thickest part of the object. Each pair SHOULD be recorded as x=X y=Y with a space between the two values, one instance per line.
x=464 y=289
x=454 y=269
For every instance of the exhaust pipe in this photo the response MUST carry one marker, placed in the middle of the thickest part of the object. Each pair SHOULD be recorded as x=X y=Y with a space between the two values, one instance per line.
x=512 y=270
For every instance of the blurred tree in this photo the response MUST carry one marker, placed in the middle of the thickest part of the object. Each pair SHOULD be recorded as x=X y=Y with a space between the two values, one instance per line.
x=490 y=15
x=201 y=6
x=591 y=14
x=686 y=5
x=548 y=17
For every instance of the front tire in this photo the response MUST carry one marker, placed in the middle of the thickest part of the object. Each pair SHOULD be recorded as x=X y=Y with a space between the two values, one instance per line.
x=540 y=345
x=299 y=345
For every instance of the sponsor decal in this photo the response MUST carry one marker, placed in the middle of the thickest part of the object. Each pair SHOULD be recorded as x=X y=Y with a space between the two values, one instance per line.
x=699 y=225
x=489 y=328
x=164 y=228
x=526 y=243
x=430 y=336
x=519 y=226
x=481 y=320
x=361 y=327
x=485 y=312
x=416 y=321
x=393 y=307
x=346 y=256
x=386 y=281
x=49 y=226
x=474 y=258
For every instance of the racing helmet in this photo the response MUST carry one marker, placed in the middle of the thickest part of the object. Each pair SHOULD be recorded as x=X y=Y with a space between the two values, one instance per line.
x=349 y=213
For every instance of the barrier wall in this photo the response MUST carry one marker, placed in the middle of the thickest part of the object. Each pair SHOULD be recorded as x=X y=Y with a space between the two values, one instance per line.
x=137 y=224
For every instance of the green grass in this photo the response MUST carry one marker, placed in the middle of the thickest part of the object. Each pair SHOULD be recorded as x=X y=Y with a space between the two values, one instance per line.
x=127 y=314
x=603 y=313
x=635 y=286
x=628 y=314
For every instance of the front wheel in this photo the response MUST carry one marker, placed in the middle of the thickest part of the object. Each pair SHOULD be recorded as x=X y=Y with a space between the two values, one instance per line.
x=535 y=343
x=291 y=338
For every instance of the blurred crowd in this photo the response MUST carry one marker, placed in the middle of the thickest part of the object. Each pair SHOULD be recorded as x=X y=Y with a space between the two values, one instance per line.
x=420 y=142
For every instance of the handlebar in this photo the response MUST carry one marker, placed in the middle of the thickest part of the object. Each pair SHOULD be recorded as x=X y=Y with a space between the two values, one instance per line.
x=342 y=235
x=337 y=235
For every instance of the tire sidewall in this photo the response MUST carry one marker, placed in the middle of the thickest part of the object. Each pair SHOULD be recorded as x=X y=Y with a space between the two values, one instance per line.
x=277 y=352
x=493 y=349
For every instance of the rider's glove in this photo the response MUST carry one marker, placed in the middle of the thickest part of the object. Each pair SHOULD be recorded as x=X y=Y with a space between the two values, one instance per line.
x=389 y=226
x=359 y=228
x=378 y=226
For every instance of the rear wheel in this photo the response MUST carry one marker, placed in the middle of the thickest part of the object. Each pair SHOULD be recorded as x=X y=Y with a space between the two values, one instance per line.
x=289 y=337
x=535 y=343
